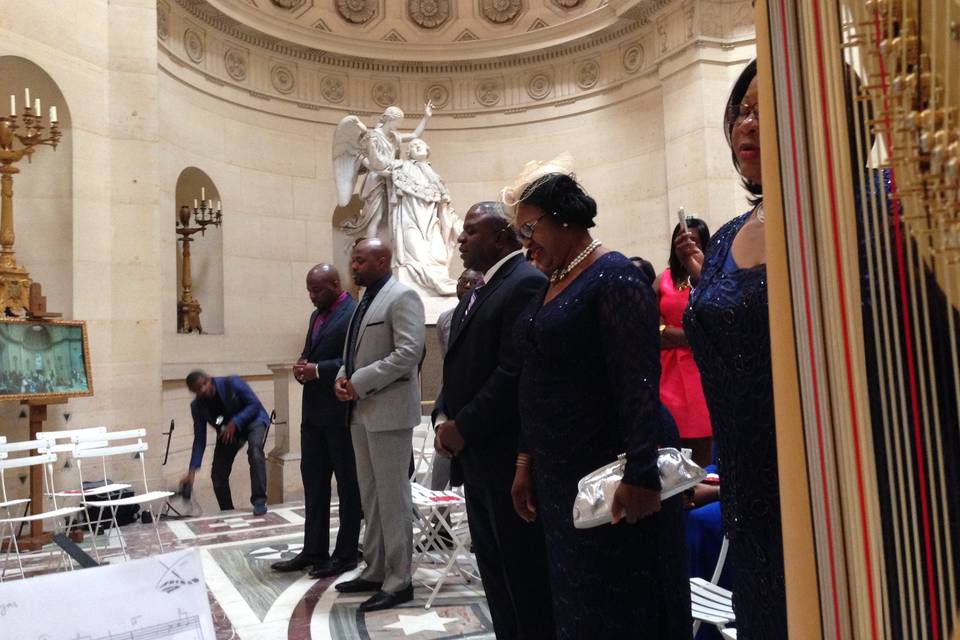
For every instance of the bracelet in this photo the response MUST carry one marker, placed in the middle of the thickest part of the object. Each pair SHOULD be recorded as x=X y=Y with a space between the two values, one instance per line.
x=523 y=460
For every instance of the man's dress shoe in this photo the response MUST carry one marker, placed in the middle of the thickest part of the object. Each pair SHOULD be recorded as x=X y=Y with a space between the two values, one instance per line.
x=332 y=567
x=387 y=600
x=297 y=563
x=358 y=585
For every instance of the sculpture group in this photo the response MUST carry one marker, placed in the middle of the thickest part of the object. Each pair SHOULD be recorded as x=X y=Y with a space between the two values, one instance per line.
x=405 y=202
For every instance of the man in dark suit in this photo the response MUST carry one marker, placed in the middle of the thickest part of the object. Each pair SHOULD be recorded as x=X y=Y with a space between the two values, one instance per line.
x=325 y=443
x=230 y=406
x=478 y=423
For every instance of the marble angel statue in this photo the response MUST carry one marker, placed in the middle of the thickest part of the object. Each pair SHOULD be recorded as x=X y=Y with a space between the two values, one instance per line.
x=404 y=201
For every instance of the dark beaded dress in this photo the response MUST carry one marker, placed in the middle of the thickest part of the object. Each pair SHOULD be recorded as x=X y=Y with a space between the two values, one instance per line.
x=589 y=390
x=728 y=328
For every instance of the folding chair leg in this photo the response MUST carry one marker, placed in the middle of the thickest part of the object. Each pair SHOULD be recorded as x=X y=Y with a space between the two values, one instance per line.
x=156 y=526
x=93 y=535
x=15 y=547
x=115 y=526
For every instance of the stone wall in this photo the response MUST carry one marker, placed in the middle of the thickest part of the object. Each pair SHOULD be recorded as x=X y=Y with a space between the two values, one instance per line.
x=103 y=57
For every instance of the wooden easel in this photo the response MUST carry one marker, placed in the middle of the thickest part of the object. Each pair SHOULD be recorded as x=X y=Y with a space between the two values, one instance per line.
x=37 y=413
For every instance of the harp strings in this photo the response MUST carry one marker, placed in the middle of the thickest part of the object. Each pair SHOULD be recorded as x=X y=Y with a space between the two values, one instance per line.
x=917 y=109
x=888 y=354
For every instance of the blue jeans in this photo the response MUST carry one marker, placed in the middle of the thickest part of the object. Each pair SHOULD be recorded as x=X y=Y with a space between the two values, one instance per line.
x=223 y=456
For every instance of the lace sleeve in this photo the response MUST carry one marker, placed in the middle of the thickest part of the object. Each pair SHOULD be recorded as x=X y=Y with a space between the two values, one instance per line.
x=628 y=318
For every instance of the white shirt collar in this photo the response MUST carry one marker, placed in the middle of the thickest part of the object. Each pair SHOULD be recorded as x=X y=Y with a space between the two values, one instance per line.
x=488 y=276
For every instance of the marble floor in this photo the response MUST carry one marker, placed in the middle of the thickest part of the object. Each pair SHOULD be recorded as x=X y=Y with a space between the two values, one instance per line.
x=249 y=601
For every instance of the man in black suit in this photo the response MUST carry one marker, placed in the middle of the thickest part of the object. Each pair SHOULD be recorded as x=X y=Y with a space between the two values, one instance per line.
x=478 y=423
x=325 y=443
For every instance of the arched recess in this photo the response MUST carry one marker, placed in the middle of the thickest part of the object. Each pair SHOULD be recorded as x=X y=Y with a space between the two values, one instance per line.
x=43 y=190
x=206 y=251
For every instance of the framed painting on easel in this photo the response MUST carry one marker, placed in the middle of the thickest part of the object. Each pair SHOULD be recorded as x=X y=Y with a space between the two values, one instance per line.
x=44 y=360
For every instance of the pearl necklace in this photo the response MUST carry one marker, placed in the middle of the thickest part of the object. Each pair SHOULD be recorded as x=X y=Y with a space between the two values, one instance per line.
x=560 y=274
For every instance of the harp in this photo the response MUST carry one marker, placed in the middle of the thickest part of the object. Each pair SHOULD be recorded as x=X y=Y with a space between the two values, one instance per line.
x=862 y=188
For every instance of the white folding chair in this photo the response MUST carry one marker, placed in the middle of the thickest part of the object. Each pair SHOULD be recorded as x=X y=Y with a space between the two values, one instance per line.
x=61 y=517
x=443 y=537
x=424 y=455
x=711 y=603
x=63 y=441
x=138 y=448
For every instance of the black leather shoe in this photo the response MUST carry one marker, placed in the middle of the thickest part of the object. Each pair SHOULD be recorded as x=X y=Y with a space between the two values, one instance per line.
x=387 y=600
x=358 y=585
x=332 y=567
x=298 y=562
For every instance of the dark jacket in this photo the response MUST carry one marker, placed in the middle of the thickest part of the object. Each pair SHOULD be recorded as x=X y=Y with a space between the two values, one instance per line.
x=240 y=404
x=320 y=406
x=481 y=374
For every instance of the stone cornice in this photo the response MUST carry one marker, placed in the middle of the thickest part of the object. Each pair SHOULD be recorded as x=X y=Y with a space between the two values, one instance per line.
x=342 y=43
x=310 y=84
x=611 y=29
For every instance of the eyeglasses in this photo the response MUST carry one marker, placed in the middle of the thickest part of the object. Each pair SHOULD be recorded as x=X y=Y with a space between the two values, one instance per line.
x=526 y=230
x=738 y=115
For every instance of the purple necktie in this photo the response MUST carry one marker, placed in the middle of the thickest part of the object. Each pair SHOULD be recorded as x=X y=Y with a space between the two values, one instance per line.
x=473 y=295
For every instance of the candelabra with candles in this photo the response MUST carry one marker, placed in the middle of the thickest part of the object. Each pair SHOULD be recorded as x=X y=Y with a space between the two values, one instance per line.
x=203 y=215
x=29 y=130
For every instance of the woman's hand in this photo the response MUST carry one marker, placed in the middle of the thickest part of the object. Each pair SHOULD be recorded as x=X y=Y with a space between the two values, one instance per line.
x=689 y=254
x=522 y=493
x=632 y=502
x=673 y=338
x=703 y=494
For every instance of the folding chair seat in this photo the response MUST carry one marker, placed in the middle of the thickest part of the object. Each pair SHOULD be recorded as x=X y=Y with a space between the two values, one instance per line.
x=101 y=500
x=711 y=603
x=442 y=535
x=62 y=441
x=62 y=517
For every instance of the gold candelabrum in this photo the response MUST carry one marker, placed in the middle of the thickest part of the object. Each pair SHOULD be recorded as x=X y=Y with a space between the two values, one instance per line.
x=29 y=131
x=203 y=215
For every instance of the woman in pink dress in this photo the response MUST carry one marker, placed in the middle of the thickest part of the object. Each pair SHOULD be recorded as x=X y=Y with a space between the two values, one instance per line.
x=680 y=388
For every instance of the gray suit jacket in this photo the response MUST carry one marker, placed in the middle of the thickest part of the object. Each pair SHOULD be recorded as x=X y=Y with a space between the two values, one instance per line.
x=389 y=348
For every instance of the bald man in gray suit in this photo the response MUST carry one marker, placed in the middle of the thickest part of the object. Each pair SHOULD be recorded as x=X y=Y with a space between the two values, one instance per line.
x=385 y=343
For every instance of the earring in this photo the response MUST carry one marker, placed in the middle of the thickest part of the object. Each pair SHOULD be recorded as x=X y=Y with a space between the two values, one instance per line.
x=565 y=225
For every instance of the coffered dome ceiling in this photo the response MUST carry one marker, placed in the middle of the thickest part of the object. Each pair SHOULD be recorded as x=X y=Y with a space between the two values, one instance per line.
x=430 y=30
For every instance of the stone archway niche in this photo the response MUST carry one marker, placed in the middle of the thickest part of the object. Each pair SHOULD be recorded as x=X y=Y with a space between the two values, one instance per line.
x=206 y=250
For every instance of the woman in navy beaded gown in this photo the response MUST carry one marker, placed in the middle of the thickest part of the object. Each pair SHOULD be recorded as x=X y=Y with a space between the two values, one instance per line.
x=589 y=391
x=728 y=328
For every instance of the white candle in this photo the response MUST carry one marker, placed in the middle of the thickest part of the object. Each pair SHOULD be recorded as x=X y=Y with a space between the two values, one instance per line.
x=13 y=105
x=194 y=203
x=218 y=205
x=37 y=105
x=26 y=96
x=203 y=193
x=53 y=114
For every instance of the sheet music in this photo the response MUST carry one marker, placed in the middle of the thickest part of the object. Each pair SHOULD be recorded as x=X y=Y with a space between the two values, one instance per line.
x=158 y=598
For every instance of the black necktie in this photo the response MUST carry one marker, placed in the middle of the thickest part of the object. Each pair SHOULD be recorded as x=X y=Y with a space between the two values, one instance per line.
x=354 y=333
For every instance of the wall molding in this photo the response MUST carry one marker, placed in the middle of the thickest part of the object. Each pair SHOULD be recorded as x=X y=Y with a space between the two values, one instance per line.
x=322 y=86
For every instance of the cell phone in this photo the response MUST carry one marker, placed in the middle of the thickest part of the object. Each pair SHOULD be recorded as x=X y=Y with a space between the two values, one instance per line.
x=682 y=217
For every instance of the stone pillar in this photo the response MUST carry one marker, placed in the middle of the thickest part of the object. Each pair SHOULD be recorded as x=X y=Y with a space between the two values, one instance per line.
x=704 y=46
x=283 y=461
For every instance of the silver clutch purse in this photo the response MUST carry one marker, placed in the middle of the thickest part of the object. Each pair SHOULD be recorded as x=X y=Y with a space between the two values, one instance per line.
x=591 y=508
